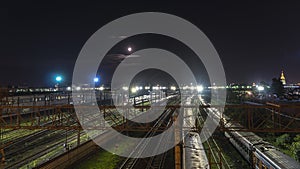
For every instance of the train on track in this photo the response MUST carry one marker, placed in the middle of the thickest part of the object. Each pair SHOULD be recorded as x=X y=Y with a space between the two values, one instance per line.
x=259 y=153
x=194 y=153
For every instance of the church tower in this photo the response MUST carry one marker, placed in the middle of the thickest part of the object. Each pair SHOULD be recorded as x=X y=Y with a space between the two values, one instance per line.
x=282 y=78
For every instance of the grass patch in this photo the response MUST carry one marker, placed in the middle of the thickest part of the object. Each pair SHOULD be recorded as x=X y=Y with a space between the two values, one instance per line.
x=101 y=160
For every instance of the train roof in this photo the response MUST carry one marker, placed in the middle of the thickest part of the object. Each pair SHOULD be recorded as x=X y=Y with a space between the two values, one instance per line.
x=195 y=156
x=253 y=138
x=281 y=159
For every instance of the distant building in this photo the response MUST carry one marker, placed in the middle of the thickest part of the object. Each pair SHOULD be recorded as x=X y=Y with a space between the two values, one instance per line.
x=282 y=78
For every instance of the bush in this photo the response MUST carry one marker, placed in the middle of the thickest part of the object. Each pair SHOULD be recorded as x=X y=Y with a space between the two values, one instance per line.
x=283 y=141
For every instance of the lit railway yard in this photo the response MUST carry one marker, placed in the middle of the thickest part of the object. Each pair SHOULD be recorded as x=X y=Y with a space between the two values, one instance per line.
x=137 y=85
x=104 y=159
x=49 y=137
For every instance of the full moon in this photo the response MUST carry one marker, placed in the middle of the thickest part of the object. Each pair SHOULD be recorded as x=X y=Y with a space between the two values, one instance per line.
x=129 y=49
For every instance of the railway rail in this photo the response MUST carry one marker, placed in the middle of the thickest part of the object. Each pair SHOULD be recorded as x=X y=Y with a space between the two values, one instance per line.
x=12 y=119
x=154 y=161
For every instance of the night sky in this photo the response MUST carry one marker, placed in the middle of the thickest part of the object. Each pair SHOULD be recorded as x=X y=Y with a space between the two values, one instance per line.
x=254 y=40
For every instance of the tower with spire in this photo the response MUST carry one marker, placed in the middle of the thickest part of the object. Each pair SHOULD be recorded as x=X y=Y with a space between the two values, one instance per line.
x=282 y=78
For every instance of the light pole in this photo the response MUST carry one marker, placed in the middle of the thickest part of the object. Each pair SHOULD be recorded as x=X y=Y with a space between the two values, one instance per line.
x=96 y=84
x=58 y=80
x=260 y=91
x=96 y=79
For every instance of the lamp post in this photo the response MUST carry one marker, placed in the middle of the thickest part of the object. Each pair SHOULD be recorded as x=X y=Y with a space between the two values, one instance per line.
x=58 y=80
x=96 y=79
x=260 y=91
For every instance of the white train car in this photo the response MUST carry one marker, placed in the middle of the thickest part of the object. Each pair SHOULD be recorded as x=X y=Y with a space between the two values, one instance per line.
x=260 y=154
x=194 y=152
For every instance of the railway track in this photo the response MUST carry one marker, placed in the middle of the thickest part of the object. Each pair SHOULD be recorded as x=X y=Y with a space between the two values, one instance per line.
x=154 y=161
x=32 y=145
x=44 y=142
x=158 y=161
x=54 y=145
x=214 y=151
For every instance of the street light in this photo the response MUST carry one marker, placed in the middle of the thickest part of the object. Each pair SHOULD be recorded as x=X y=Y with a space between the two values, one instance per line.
x=260 y=88
x=173 y=88
x=58 y=78
x=133 y=90
x=200 y=88
x=96 y=79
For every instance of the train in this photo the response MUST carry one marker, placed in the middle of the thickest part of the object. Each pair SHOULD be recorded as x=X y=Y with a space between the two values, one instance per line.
x=194 y=152
x=257 y=152
x=194 y=155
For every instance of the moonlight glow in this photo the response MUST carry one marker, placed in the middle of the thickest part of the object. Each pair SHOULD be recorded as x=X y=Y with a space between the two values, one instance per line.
x=129 y=49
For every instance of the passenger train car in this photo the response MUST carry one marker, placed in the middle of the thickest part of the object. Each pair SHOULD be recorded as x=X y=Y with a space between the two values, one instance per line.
x=194 y=153
x=260 y=154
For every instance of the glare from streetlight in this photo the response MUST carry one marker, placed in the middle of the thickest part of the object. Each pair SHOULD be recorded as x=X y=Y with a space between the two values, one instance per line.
x=58 y=78
x=200 y=88
x=173 y=88
x=96 y=79
x=133 y=90
x=260 y=88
